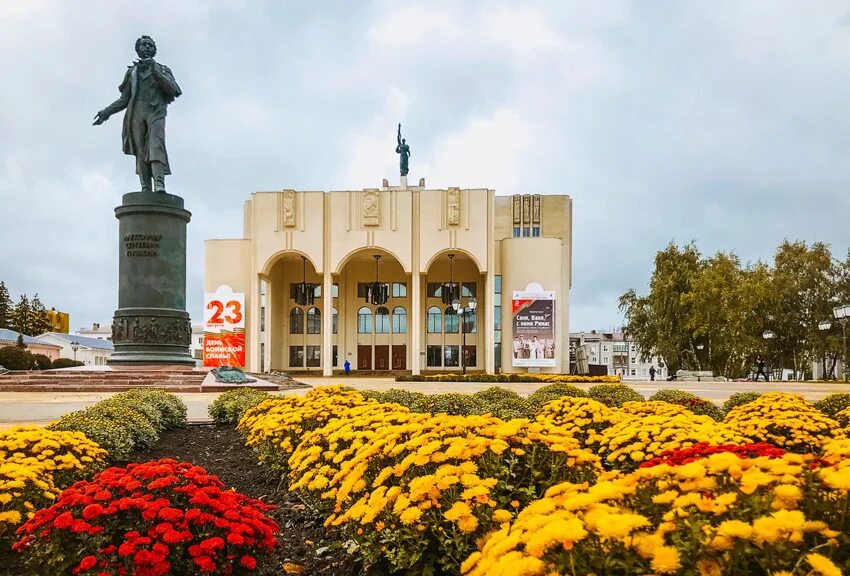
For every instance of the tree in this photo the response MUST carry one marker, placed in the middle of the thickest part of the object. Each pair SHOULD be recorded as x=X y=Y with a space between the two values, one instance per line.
x=40 y=321
x=5 y=307
x=20 y=343
x=21 y=315
x=658 y=322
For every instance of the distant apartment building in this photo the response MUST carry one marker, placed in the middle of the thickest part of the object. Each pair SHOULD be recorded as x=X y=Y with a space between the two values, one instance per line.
x=621 y=357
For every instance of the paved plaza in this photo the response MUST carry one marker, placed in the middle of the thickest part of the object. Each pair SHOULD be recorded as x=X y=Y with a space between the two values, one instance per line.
x=42 y=407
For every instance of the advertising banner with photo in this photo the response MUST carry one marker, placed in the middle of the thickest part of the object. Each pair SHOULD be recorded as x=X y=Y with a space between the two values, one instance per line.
x=534 y=328
x=224 y=328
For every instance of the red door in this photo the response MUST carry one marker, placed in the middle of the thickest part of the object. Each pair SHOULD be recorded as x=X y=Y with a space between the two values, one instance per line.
x=382 y=357
x=364 y=357
x=400 y=357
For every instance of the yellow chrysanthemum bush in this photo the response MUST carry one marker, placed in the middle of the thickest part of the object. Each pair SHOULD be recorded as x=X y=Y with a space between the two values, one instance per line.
x=785 y=420
x=720 y=515
x=582 y=418
x=274 y=427
x=415 y=492
x=26 y=484
x=68 y=456
x=630 y=442
x=653 y=408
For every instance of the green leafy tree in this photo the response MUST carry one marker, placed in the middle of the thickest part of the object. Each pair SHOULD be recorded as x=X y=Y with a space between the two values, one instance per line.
x=5 y=307
x=659 y=321
x=20 y=343
x=804 y=283
x=22 y=315
x=40 y=321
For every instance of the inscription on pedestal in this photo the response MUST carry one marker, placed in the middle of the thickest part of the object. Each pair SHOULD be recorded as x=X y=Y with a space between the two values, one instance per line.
x=142 y=245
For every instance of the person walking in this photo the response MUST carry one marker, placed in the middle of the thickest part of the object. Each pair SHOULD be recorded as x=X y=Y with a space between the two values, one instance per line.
x=652 y=373
x=347 y=367
x=761 y=372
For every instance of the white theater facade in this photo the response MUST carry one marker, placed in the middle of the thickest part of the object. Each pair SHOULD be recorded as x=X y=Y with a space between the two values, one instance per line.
x=428 y=251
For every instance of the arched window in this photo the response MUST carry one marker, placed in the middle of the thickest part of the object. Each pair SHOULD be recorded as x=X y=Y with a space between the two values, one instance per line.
x=314 y=321
x=296 y=321
x=399 y=320
x=451 y=320
x=364 y=320
x=435 y=320
x=382 y=321
x=334 y=321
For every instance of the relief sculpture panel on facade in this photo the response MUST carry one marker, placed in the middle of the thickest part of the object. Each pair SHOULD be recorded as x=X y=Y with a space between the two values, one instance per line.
x=516 y=208
x=453 y=206
x=370 y=209
x=288 y=208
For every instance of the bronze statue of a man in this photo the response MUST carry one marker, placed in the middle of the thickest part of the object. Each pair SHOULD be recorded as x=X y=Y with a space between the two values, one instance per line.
x=147 y=90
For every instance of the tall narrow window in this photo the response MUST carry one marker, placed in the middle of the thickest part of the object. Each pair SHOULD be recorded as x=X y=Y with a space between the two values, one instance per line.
x=451 y=356
x=452 y=320
x=296 y=356
x=382 y=321
x=314 y=356
x=470 y=323
x=435 y=354
x=399 y=320
x=334 y=321
x=314 y=321
x=364 y=320
x=435 y=320
x=296 y=321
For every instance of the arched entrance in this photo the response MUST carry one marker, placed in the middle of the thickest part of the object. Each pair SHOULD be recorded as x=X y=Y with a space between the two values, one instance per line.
x=294 y=320
x=374 y=306
x=453 y=306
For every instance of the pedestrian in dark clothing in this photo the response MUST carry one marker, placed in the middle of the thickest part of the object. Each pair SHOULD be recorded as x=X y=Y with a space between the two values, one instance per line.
x=761 y=372
x=652 y=373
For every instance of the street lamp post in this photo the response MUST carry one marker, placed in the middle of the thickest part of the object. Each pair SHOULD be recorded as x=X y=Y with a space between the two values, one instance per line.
x=468 y=310
x=75 y=346
x=699 y=362
x=823 y=326
x=842 y=314
x=769 y=335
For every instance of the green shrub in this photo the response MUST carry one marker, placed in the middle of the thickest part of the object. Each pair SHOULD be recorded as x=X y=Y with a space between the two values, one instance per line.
x=15 y=358
x=41 y=362
x=690 y=401
x=833 y=404
x=171 y=408
x=110 y=435
x=455 y=404
x=739 y=399
x=613 y=395
x=415 y=401
x=142 y=431
x=554 y=391
x=66 y=363
x=229 y=406
x=495 y=394
x=509 y=409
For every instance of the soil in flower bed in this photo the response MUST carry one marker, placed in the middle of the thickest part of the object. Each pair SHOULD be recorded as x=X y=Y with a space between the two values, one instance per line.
x=303 y=546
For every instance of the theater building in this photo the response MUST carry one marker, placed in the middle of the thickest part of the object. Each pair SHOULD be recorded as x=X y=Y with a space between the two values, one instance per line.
x=373 y=276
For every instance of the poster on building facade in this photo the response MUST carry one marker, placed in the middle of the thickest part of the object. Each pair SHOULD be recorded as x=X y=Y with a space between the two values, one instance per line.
x=534 y=328
x=224 y=328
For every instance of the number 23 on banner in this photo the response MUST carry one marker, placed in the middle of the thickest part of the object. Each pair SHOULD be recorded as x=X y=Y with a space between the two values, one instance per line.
x=230 y=313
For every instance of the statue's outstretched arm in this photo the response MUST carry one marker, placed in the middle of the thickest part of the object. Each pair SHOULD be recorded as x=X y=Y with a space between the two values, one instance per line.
x=119 y=104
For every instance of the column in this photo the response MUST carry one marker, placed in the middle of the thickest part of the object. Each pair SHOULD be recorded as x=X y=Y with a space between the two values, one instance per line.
x=327 y=324
x=489 y=322
x=415 y=322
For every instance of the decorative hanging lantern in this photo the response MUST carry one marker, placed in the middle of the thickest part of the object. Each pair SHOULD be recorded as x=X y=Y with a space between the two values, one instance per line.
x=304 y=295
x=377 y=293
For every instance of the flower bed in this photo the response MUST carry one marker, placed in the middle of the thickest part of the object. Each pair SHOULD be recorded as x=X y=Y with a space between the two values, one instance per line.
x=157 y=518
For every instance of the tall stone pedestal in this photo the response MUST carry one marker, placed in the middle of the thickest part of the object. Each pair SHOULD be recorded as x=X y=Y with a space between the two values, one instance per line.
x=151 y=325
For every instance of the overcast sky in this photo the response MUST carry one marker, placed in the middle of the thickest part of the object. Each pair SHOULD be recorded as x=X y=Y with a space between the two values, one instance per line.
x=723 y=122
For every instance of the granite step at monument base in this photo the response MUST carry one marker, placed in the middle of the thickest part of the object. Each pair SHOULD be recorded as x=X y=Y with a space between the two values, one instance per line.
x=120 y=380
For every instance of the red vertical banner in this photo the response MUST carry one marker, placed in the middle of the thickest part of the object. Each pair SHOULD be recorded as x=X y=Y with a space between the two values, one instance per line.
x=224 y=328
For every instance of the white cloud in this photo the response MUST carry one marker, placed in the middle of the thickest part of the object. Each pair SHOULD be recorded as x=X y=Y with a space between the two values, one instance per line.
x=411 y=24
